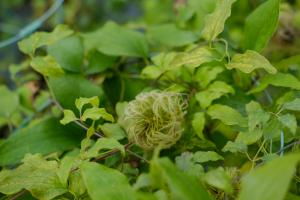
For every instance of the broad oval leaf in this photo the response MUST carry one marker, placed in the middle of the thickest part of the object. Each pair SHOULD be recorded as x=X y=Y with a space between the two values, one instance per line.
x=47 y=66
x=105 y=183
x=273 y=179
x=227 y=115
x=261 y=25
x=161 y=34
x=116 y=40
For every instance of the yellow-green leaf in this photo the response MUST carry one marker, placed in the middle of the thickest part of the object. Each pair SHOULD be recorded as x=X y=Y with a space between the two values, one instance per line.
x=214 y=22
x=47 y=66
x=249 y=61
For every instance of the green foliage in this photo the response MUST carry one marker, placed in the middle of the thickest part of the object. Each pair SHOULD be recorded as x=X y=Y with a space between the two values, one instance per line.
x=190 y=100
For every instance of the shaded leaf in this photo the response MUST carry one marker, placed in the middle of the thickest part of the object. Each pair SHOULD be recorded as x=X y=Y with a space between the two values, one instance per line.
x=9 y=102
x=219 y=179
x=182 y=186
x=44 y=137
x=257 y=117
x=289 y=121
x=292 y=105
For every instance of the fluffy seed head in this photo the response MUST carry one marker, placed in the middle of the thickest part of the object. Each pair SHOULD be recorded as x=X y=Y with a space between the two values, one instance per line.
x=155 y=119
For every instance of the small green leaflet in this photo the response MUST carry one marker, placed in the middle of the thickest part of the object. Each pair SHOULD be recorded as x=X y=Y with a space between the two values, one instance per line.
x=214 y=91
x=257 y=117
x=96 y=113
x=112 y=131
x=214 y=22
x=235 y=147
x=227 y=115
x=249 y=61
x=47 y=66
x=81 y=101
x=261 y=25
x=279 y=80
x=289 y=121
x=104 y=144
x=69 y=116
x=273 y=179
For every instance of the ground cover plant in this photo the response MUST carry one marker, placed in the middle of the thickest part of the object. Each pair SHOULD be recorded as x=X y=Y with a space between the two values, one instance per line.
x=193 y=100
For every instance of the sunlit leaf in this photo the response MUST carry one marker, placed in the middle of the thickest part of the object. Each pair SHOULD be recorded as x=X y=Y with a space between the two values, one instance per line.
x=249 y=61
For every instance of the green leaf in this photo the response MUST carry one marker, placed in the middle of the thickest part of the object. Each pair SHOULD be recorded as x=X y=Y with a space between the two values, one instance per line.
x=198 y=123
x=81 y=101
x=249 y=61
x=44 y=137
x=96 y=113
x=235 y=147
x=161 y=34
x=47 y=66
x=65 y=168
x=279 y=80
x=214 y=22
x=292 y=105
x=116 y=40
x=186 y=164
x=249 y=137
x=206 y=74
x=151 y=72
x=68 y=88
x=205 y=156
x=36 y=175
x=38 y=39
x=214 y=91
x=105 y=183
x=289 y=121
x=182 y=186
x=104 y=144
x=195 y=57
x=227 y=115
x=273 y=179
x=272 y=128
x=68 y=52
x=113 y=131
x=261 y=25
x=9 y=102
x=257 y=117
x=219 y=179
x=69 y=116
